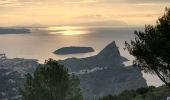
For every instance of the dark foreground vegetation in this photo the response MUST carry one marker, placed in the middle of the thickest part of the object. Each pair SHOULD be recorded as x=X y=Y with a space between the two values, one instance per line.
x=150 y=93
x=51 y=81
x=151 y=48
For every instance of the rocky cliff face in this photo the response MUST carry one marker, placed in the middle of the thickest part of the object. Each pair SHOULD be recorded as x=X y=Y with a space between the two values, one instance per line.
x=110 y=55
x=105 y=73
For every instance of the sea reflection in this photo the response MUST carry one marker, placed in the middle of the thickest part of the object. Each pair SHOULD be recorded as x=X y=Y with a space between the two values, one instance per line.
x=67 y=30
x=70 y=32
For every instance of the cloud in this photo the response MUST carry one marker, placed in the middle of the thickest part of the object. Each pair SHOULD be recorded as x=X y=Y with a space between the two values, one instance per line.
x=80 y=1
x=116 y=23
x=148 y=1
x=9 y=3
x=16 y=3
x=140 y=15
x=137 y=1
x=77 y=11
x=87 y=16
x=19 y=3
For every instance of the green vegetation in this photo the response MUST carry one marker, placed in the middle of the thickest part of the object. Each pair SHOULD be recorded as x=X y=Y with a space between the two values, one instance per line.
x=150 y=93
x=51 y=81
x=151 y=48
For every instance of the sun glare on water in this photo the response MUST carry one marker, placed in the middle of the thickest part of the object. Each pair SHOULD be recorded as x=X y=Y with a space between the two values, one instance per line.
x=67 y=30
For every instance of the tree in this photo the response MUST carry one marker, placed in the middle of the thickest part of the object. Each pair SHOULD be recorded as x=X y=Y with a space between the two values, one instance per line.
x=51 y=81
x=148 y=93
x=151 y=48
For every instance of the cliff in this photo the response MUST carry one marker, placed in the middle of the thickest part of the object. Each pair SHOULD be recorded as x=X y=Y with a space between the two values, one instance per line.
x=105 y=73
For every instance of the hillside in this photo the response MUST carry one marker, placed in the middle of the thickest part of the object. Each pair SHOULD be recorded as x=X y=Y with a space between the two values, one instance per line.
x=150 y=93
x=12 y=73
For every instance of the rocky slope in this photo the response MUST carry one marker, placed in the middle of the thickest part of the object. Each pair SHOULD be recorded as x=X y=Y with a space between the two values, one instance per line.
x=12 y=73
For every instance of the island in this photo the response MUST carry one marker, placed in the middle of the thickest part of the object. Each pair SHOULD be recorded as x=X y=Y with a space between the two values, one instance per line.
x=73 y=50
x=14 y=30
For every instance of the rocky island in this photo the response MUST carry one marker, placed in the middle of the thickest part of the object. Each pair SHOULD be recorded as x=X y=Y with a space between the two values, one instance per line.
x=73 y=50
x=14 y=30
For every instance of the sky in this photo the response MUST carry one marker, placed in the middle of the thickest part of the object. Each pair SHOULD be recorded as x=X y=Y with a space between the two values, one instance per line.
x=81 y=12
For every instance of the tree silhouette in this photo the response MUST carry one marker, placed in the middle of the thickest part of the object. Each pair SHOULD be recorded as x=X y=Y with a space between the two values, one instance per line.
x=51 y=81
x=151 y=48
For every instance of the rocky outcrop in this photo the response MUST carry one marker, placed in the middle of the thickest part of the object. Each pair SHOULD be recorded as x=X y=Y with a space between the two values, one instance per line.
x=105 y=73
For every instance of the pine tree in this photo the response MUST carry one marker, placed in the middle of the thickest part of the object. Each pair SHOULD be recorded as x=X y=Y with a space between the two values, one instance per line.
x=51 y=81
x=151 y=48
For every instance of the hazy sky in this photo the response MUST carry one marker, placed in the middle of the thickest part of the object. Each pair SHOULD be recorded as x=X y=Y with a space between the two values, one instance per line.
x=60 y=12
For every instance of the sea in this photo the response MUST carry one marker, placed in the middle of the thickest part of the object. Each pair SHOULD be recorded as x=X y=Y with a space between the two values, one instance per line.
x=43 y=41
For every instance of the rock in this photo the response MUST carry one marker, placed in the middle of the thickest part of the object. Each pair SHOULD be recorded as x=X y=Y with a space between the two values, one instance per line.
x=73 y=50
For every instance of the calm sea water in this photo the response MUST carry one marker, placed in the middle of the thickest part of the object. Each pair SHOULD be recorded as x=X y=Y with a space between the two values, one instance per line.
x=43 y=41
